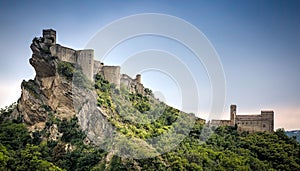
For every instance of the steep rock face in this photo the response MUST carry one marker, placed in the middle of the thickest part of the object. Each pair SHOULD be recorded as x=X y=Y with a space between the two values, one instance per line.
x=42 y=61
x=48 y=92
x=57 y=91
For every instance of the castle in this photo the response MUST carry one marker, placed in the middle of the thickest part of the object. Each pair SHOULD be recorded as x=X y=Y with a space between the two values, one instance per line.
x=90 y=67
x=263 y=122
x=85 y=59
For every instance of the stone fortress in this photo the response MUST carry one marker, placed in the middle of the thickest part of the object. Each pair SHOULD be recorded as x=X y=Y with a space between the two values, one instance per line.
x=90 y=67
x=263 y=122
x=85 y=59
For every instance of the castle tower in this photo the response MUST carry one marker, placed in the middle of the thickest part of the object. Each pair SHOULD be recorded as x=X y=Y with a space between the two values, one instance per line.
x=49 y=36
x=268 y=120
x=232 y=114
x=112 y=74
x=138 y=78
x=85 y=59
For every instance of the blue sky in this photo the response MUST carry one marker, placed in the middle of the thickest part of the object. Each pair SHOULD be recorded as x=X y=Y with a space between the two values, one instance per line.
x=258 y=43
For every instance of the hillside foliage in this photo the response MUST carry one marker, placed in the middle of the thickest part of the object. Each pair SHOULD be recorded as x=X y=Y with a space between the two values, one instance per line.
x=136 y=115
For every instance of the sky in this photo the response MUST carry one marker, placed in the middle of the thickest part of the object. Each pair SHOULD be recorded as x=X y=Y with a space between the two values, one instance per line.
x=258 y=44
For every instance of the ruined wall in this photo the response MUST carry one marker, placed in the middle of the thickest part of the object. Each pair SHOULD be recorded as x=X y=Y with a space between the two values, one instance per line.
x=112 y=74
x=127 y=82
x=97 y=67
x=49 y=36
x=139 y=88
x=134 y=85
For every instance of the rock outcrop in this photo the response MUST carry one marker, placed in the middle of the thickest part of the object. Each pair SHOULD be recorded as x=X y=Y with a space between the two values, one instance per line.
x=57 y=91
x=48 y=92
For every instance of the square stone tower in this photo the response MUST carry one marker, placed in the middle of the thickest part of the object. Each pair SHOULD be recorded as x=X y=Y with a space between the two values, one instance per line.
x=85 y=59
x=267 y=120
x=49 y=36
x=232 y=114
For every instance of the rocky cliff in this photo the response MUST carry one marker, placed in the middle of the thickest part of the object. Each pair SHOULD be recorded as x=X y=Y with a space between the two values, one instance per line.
x=59 y=89
x=49 y=91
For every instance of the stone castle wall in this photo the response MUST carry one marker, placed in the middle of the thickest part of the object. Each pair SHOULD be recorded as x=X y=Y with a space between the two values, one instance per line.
x=112 y=74
x=134 y=85
x=263 y=122
x=63 y=53
x=255 y=123
x=90 y=67
x=97 y=66
x=220 y=122
x=84 y=58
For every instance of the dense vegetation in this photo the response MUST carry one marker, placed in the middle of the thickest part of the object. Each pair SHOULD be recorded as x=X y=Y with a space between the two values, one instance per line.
x=135 y=115
x=73 y=73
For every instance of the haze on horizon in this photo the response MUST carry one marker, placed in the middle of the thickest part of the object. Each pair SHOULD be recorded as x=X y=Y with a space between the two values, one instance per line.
x=258 y=43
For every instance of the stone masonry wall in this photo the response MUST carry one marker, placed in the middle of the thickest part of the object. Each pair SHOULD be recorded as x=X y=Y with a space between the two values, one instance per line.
x=255 y=123
x=85 y=59
x=263 y=122
x=112 y=74
x=134 y=85
x=97 y=67
x=90 y=67
x=63 y=53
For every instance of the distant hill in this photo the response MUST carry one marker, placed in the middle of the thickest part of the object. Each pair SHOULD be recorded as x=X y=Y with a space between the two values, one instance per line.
x=294 y=133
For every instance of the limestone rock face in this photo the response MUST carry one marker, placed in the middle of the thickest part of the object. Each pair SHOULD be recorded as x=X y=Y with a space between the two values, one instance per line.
x=53 y=93
x=41 y=60
x=47 y=93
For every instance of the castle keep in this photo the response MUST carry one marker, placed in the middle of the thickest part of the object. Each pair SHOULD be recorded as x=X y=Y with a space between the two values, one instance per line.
x=263 y=122
x=90 y=67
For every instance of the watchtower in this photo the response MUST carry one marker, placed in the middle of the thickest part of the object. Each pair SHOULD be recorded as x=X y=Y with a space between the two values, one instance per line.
x=49 y=36
x=232 y=114
x=138 y=78
x=267 y=120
